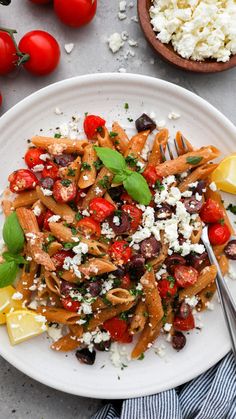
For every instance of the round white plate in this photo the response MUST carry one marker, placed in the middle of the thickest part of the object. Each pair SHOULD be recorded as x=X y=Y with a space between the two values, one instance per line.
x=105 y=95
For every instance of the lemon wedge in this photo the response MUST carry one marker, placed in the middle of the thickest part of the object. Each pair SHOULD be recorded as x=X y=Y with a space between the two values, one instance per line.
x=225 y=174
x=8 y=303
x=24 y=324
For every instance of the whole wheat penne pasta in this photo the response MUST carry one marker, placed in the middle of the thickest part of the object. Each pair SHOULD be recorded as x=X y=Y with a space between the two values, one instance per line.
x=38 y=206
x=66 y=343
x=54 y=247
x=26 y=281
x=181 y=140
x=161 y=138
x=119 y=296
x=196 y=233
x=202 y=172
x=76 y=329
x=88 y=171
x=107 y=313
x=152 y=298
x=215 y=195
x=58 y=315
x=97 y=189
x=95 y=266
x=27 y=220
x=121 y=140
x=104 y=139
x=206 y=277
x=63 y=210
x=98 y=304
x=72 y=171
x=224 y=264
x=139 y=318
x=7 y=206
x=182 y=163
x=206 y=296
x=146 y=339
x=52 y=282
x=136 y=144
x=25 y=199
x=58 y=146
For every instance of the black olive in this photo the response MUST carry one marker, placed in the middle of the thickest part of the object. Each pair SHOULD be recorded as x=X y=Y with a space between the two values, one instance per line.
x=136 y=266
x=178 y=341
x=172 y=261
x=115 y=193
x=184 y=310
x=66 y=287
x=150 y=247
x=164 y=212
x=197 y=261
x=119 y=272
x=200 y=187
x=124 y=223
x=85 y=356
x=144 y=122
x=64 y=159
x=5 y=2
x=230 y=250
x=47 y=182
x=103 y=346
x=192 y=205
x=94 y=288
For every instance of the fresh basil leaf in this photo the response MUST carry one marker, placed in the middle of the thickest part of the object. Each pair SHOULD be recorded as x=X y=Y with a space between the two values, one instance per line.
x=137 y=188
x=14 y=258
x=113 y=160
x=8 y=271
x=194 y=160
x=119 y=177
x=13 y=234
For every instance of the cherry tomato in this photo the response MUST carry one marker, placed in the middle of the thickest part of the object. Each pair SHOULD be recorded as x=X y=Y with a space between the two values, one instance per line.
x=43 y=50
x=47 y=215
x=40 y=219
x=125 y=282
x=7 y=54
x=116 y=327
x=59 y=258
x=91 y=125
x=120 y=251
x=126 y=338
x=185 y=275
x=64 y=190
x=167 y=287
x=75 y=13
x=40 y=1
x=89 y=226
x=125 y=197
x=218 y=233
x=50 y=170
x=151 y=175
x=22 y=180
x=32 y=157
x=100 y=209
x=184 y=324
x=70 y=305
x=211 y=211
x=135 y=215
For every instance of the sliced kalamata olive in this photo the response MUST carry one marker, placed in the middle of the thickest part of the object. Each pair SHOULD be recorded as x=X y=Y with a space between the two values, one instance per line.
x=64 y=159
x=85 y=356
x=197 y=261
x=144 y=122
x=230 y=250
x=200 y=187
x=181 y=239
x=184 y=310
x=136 y=266
x=115 y=193
x=192 y=205
x=119 y=272
x=174 y=260
x=124 y=223
x=150 y=247
x=66 y=287
x=47 y=183
x=178 y=341
x=164 y=212
x=94 y=288
x=103 y=346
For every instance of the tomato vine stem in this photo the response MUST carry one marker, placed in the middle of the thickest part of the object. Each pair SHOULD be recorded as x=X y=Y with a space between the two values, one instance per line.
x=23 y=58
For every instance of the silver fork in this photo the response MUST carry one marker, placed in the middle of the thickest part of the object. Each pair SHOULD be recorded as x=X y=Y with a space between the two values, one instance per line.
x=227 y=302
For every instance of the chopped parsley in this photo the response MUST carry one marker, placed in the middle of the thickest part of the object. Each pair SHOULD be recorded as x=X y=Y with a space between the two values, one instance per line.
x=232 y=208
x=141 y=357
x=159 y=186
x=100 y=129
x=148 y=267
x=85 y=166
x=124 y=316
x=126 y=106
x=104 y=182
x=69 y=246
x=73 y=231
x=194 y=160
x=221 y=221
x=66 y=182
x=98 y=164
x=71 y=172
x=113 y=134
x=78 y=216
x=57 y=135
x=135 y=292
x=130 y=119
x=131 y=161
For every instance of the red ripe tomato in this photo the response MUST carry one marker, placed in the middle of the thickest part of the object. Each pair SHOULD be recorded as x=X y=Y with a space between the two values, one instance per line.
x=22 y=180
x=151 y=175
x=211 y=212
x=126 y=338
x=40 y=220
x=91 y=125
x=43 y=50
x=116 y=327
x=100 y=209
x=47 y=215
x=59 y=258
x=218 y=233
x=167 y=287
x=185 y=275
x=125 y=282
x=64 y=190
x=184 y=324
x=89 y=226
x=135 y=215
x=70 y=305
x=7 y=54
x=120 y=251
x=32 y=157
x=125 y=197
x=75 y=13
x=50 y=170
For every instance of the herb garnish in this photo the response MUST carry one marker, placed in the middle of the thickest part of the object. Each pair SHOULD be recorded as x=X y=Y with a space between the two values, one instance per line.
x=141 y=357
x=104 y=182
x=126 y=106
x=232 y=208
x=113 y=134
x=65 y=182
x=85 y=166
x=71 y=172
x=57 y=135
x=131 y=160
x=194 y=160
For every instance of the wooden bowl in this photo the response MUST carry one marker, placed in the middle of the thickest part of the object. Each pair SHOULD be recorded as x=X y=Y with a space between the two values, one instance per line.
x=167 y=52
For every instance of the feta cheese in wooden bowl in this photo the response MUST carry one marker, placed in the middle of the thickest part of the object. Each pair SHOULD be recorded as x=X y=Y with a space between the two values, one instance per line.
x=195 y=35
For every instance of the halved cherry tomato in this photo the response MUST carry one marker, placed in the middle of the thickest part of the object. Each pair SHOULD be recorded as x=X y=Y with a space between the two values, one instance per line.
x=100 y=209
x=47 y=215
x=22 y=180
x=40 y=219
x=8 y=54
x=116 y=327
x=135 y=215
x=89 y=226
x=50 y=170
x=126 y=338
x=218 y=233
x=167 y=287
x=185 y=275
x=120 y=251
x=75 y=13
x=151 y=175
x=184 y=324
x=64 y=190
x=70 y=305
x=125 y=282
x=211 y=211
x=125 y=197
x=92 y=123
x=59 y=258
x=32 y=157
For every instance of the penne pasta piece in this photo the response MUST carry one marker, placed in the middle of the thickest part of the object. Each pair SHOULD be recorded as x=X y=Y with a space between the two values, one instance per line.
x=181 y=140
x=146 y=339
x=104 y=139
x=26 y=281
x=25 y=199
x=206 y=296
x=107 y=313
x=152 y=298
x=161 y=138
x=206 y=277
x=7 y=206
x=98 y=304
x=66 y=343
x=56 y=146
x=136 y=145
x=53 y=248
x=94 y=266
x=88 y=172
x=63 y=210
x=52 y=282
x=119 y=296
x=58 y=315
x=196 y=234
x=202 y=172
x=72 y=171
x=224 y=264
x=139 y=318
x=97 y=189
x=27 y=220
x=121 y=140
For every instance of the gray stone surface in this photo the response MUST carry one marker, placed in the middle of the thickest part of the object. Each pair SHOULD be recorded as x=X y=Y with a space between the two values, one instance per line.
x=21 y=397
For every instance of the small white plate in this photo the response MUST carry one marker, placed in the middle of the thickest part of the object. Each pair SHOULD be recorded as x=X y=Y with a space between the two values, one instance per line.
x=106 y=95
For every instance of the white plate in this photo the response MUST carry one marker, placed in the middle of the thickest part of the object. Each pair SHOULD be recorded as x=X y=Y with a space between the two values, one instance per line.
x=105 y=95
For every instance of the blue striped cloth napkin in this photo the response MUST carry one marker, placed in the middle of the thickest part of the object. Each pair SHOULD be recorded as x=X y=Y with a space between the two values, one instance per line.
x=212 y=395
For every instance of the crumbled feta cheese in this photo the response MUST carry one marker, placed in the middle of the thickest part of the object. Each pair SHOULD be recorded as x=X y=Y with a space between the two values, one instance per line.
x=81 y=248
x=44 y=156
x=115 y=42
x=167 y=327
x=122 y=5
x=17 y=296
x=55 y=332
x=210 y=305
x=46 y=192
x=40 y=319
x=174 y=115
x=122 y=70
x=98 y=190
x=107 y=231
x=191 y=301
x=122 y=16
x=69 y=47
x=213 y=186
x=85 y=213
x=160 y=351
x=148 y=217
x=37 y=210
x=85 y=177
x=118 y=355
x=145 y=152
x=134 y=19
x=140 y=235
x=116 y=220
x=54 y=218
x=124 y=36
x=132 y=43
x=38 y=168
x=57 y=112
x=161 y=124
